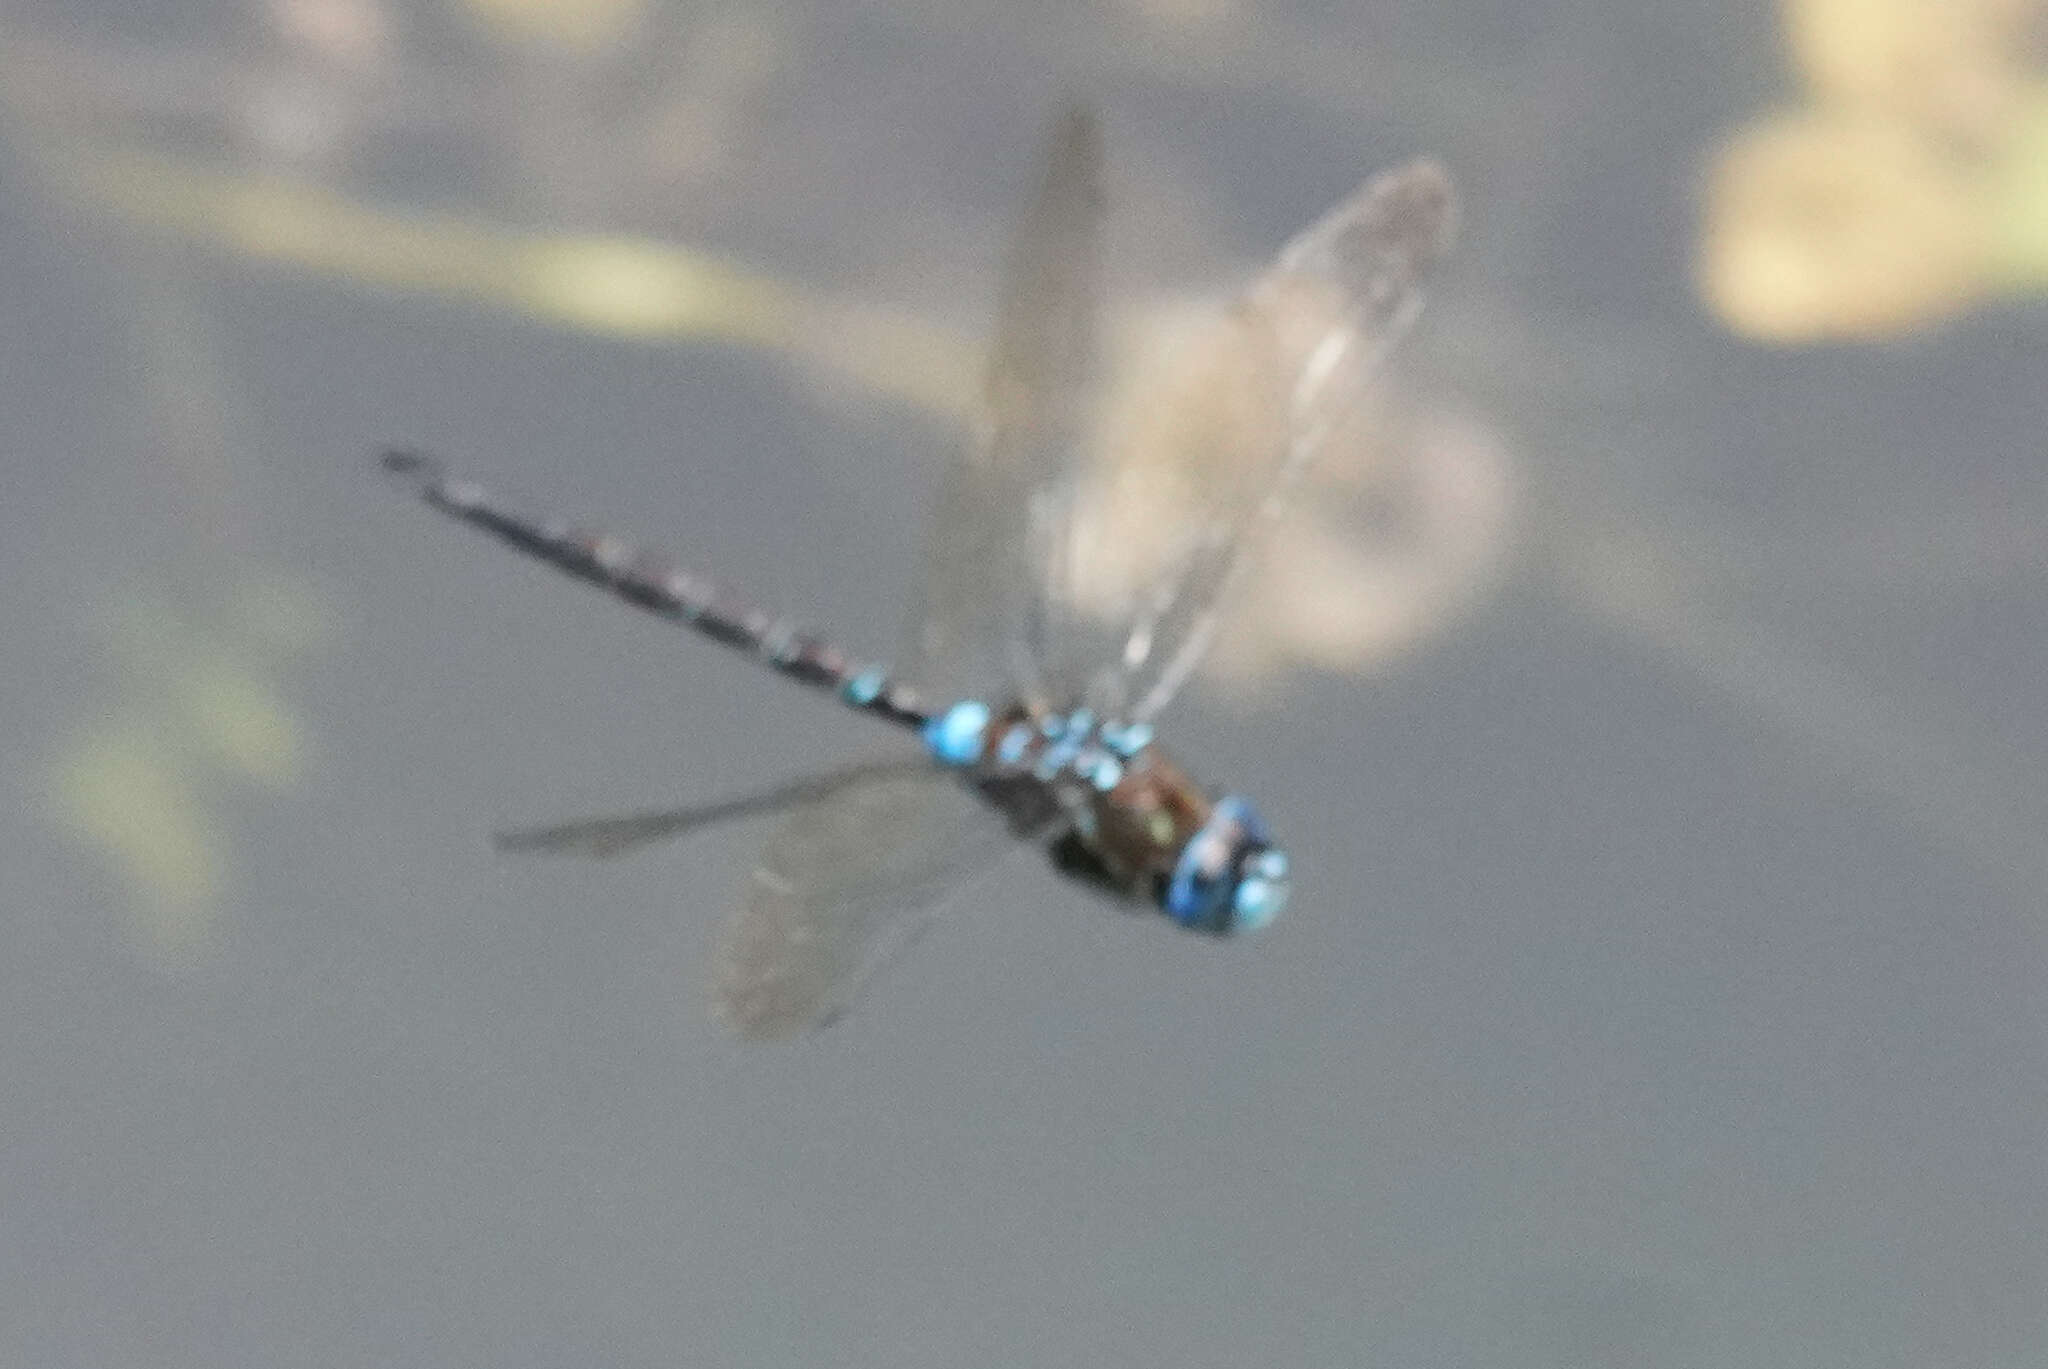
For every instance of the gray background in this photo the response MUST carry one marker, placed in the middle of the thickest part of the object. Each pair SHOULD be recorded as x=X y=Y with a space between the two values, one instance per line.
x=1664 y=984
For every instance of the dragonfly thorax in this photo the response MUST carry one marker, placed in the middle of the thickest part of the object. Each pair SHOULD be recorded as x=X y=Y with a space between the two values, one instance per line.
x=1135 y=823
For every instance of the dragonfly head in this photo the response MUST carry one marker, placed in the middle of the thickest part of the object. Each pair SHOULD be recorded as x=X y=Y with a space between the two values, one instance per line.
x=1229 y=878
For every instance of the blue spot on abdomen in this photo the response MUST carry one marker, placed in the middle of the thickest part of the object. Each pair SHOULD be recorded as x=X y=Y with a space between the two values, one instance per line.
x=958 y=736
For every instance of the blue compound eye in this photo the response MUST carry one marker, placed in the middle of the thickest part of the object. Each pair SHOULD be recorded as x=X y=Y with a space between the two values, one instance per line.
x=1229 y=877
x=1261 y=893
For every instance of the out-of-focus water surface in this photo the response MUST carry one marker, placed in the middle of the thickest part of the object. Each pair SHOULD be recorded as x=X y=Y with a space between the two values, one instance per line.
x=1651 y=705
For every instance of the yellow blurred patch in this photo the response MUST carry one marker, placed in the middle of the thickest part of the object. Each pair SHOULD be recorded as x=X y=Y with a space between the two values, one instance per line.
x=581 y=25
x=195 y=705
x=1908 y=189
x=240 y=719
x=120 y=791
x=636 y=288
x=642 y=289
x=1835 y=224
x=2019 y=247
x=1955 y=65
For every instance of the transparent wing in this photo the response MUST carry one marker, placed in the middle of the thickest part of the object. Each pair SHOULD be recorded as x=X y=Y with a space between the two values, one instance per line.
x=615 y=835
x=843 y=888
x=1303 y=342
x=851 y=880
x=998 y=558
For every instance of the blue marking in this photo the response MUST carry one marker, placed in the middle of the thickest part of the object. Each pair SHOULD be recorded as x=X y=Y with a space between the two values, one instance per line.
x=1105 y=772
x=1185 y=901
x=1127 y=741
x=1016 y=741
x=862 y=689
x=958 y=737
x=1227 y=878
x=1261 y=892
x=1056 y=757
x=1052 y=725
x=1080 y=723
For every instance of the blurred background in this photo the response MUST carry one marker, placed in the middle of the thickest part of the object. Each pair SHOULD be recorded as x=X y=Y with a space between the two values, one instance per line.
x=1650 y=701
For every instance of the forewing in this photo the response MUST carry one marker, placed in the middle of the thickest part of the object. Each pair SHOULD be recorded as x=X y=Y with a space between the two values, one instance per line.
x=849 y=881
x=1303 y=341
x=841 y=890
x=998 y=558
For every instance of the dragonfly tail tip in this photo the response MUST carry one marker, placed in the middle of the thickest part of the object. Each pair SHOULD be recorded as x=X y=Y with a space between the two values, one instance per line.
x=408 y=465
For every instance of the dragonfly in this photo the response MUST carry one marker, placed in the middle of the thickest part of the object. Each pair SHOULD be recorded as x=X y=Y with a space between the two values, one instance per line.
x=1036 y=721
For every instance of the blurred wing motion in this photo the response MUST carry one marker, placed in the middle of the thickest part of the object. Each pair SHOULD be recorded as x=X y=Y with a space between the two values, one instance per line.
x=612 y=836
x=845 y=885
x=843 y=888
x=1312 y=331
x=850 y=881
x=998 y=558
